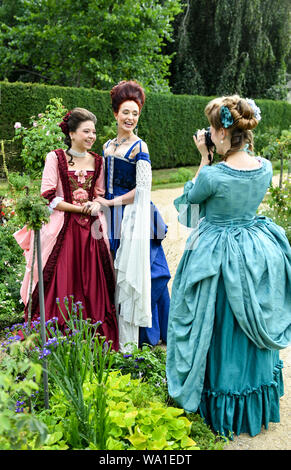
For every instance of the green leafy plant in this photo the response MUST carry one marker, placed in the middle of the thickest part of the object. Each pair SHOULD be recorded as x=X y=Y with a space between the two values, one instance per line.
x=170 y=145
x=33 y=211
x=108 y=132
x=151 y=425
x=137 y=419
x=264 y=138
x=42 y=135
x=181 y=176
x=202 y=434
x=145 y=363
x=17 y=181
x=73 y=355
x=85 y=355
x=278 y=206
x=12 y=266
x=280 y=148
x=130 y=412
x=18 y=377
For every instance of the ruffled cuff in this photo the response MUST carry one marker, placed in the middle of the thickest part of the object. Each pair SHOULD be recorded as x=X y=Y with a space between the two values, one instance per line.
x=49 y=194
x=53 y=204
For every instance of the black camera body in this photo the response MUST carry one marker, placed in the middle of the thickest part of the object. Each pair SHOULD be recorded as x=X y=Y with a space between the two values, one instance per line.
x=208 y=142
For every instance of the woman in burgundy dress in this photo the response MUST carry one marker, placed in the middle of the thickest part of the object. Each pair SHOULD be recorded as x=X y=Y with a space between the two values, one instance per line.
x=75 y=249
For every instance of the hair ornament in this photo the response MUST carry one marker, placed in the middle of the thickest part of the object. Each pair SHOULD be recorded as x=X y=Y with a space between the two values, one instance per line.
x=226 y=117
x=64 y=124
x=255 y=108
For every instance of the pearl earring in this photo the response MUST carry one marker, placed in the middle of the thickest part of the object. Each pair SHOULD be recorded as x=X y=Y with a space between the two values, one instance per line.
x=221 y=141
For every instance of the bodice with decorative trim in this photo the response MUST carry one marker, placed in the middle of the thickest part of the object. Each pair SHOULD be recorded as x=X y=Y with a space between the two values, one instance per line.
x=227 y=195
x=121 y=170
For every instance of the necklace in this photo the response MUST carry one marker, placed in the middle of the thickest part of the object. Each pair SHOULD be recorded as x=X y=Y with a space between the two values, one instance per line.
x=77 y=154
x=117 y=144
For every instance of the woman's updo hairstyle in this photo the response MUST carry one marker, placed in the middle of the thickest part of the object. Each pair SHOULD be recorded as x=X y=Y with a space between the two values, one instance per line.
x=243 y=121
x=72 y=121
x=127 y=91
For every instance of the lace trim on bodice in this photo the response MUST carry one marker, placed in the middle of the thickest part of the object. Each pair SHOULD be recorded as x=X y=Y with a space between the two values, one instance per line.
x=244 y=169
x=125 y=155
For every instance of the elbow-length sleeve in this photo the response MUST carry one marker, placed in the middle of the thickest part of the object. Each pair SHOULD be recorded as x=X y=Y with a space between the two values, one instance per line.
x=201 y=188
x=132 y=263
x=191 y=204
x=50 y=180
x=99 y=188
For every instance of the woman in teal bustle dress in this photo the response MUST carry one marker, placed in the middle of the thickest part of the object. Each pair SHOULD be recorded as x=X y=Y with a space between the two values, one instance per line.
x=230 y=310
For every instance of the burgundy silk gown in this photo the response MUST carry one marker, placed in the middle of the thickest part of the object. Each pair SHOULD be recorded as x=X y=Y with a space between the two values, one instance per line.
x=79 y=264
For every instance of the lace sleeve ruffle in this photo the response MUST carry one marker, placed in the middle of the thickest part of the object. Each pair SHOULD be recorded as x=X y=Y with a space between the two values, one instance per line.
x=53 y=204
x=143 y=175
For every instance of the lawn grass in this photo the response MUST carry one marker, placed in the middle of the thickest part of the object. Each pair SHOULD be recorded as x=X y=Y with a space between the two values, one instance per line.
x=172 y=177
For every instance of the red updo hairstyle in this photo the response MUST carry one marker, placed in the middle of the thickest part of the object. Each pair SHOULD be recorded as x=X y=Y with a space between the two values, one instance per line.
x=124 y=91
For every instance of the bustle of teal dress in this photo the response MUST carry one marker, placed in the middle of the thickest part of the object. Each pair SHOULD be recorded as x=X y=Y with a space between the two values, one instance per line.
x=230 y=310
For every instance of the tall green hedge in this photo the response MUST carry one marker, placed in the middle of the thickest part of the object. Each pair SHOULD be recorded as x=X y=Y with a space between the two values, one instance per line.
x=167 y=122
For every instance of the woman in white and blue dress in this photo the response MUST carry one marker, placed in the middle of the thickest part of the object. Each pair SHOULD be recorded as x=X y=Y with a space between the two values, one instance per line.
x=136 y=229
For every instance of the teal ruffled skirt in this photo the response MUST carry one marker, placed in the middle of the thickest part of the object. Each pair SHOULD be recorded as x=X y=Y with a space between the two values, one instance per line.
x=243 y=383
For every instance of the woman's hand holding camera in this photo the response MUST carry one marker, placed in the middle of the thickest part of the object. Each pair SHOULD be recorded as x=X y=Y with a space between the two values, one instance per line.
x=200 y=142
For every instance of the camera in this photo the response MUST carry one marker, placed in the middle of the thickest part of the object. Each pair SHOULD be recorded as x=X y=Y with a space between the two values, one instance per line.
x=208 y=142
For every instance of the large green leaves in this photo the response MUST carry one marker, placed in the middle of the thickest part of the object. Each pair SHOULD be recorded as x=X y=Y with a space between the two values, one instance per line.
x=88 y=42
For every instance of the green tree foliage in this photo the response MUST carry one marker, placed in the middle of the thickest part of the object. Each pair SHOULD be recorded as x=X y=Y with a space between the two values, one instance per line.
x=228 y=46
x=87 y=43
x=10 y=10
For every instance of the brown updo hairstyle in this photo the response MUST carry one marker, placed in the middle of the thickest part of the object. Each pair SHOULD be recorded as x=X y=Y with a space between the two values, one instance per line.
x=243 y=121
x=127 y=91
x=72 y=121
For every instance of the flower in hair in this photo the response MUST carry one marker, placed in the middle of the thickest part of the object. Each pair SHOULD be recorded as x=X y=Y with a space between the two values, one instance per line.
x=226 y=117
x=255 y=108
x=64 y=124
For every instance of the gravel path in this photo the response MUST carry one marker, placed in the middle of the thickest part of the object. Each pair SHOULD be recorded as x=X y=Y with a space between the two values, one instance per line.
x=278 y=435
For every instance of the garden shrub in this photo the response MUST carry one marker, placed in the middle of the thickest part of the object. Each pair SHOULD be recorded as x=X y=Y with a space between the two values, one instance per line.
x=42 y=136
x=167 y=121
x=12 y=266
x=278 y=206
x=145 y=363
x=202 y=434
